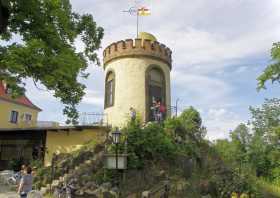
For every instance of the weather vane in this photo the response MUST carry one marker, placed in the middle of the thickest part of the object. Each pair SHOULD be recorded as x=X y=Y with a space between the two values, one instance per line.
x=138 y=11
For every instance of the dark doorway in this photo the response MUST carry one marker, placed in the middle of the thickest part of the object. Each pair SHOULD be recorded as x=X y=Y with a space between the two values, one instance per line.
x=18 y=146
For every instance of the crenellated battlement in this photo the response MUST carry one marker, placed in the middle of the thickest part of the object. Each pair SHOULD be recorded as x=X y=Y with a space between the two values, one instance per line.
x=137 y=47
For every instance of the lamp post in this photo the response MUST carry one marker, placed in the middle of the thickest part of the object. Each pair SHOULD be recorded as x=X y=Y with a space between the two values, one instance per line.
x=116 y=140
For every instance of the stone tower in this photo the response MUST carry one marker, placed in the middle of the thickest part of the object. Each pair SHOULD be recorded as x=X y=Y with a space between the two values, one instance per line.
x=136 y=73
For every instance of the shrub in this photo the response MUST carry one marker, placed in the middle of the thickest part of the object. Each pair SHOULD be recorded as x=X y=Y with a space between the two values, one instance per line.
x=15 y=164
x=150 y=142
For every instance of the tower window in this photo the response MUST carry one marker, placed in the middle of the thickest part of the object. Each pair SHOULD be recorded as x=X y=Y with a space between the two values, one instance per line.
x=14 y=117
x=109 y=90
x=156 y=89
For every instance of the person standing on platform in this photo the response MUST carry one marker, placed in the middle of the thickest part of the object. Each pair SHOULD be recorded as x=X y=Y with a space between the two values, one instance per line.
x=162 y=111
x=132 y=114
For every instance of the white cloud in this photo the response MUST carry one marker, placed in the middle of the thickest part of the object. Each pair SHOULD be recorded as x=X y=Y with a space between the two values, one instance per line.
x=206 y=37
x=219 y=121
x=211 y=34
x=93 y=97
x=241 y=69
x=38 y=92
x=201 y=90
x=213 y=51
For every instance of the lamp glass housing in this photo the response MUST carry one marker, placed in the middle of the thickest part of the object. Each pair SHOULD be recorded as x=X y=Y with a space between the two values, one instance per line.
x=116 y=136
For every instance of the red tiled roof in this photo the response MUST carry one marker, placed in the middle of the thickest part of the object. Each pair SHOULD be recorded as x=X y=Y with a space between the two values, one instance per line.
x=22 y=100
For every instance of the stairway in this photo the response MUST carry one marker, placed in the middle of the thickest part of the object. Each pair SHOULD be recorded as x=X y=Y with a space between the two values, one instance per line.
x=91 y=164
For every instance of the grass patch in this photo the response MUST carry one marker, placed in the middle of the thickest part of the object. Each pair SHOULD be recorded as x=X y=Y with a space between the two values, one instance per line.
x=269 y=188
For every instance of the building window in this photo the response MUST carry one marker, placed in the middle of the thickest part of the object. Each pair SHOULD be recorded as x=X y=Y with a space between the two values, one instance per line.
x=8 y=90
x=27 y=117
x=156 y=89
x=109 y=89
x=14 y=117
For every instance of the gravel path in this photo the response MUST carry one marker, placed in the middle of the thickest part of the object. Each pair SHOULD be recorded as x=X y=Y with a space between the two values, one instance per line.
x=6 y=193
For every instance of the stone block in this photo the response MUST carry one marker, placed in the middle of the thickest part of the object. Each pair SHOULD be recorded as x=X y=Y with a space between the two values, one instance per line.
x=35 y=194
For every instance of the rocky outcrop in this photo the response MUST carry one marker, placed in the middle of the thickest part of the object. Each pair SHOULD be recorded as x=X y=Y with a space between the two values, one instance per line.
x=77 y=180
x=35 y=194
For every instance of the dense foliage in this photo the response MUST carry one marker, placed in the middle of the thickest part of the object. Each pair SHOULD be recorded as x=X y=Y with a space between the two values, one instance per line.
x=41 y=37
x=257 y=150
x=187 y=125
x=147 y=143
x=179 y=141
x=272 y=71
x=156 y=141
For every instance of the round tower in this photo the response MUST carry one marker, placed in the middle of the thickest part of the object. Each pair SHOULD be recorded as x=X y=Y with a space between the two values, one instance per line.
x=137 y=72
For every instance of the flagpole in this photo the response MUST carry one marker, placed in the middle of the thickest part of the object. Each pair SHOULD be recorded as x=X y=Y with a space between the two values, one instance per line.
x=144 y=12
x=137 y=22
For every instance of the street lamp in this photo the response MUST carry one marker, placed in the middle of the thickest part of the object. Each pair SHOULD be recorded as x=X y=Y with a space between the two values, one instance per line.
x=116 y=161
x=116 y=136
x=116 y=140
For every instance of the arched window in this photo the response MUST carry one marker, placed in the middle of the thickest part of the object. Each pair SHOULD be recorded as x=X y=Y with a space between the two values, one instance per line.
x=156 y=89
x=109 y=89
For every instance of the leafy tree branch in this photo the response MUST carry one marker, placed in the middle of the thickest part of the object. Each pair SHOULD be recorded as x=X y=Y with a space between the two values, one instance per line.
x=46 y=53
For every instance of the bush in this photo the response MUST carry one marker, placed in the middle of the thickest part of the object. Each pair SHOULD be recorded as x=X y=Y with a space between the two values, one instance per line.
x=157 y=143
x=15 y=164
x=42 y=178
x=36 y=163
x=148 y=143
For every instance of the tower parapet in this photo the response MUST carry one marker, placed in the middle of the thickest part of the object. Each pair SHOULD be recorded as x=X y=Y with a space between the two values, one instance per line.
x=137 y=48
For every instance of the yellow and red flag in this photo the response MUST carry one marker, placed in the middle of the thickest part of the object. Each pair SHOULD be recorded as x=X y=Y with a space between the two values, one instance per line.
x=143 y=11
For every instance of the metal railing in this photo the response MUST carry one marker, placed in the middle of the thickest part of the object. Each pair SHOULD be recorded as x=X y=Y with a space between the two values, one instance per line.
x=101 y=119
x=173 y=111
x=92 y=118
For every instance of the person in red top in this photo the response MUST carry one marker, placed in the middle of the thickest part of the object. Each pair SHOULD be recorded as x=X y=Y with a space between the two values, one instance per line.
x=162 y=111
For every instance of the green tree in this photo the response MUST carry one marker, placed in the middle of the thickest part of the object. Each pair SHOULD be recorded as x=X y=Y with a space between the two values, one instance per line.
x=258 y=149
x=240 y=139
x=187 y=125
x=258 y=156
x=266 y=119
x=192 y=122
x=272 y=71
x=265 y=146
x=46 y=53
x=225 y=148
x=241 y=134
x=235 y=151
x=148 y=143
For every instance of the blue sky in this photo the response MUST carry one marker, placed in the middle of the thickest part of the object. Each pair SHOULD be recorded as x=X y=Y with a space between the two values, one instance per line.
x=219 y=48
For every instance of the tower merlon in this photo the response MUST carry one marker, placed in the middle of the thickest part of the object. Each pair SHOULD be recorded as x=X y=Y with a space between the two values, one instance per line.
x=137 y=47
